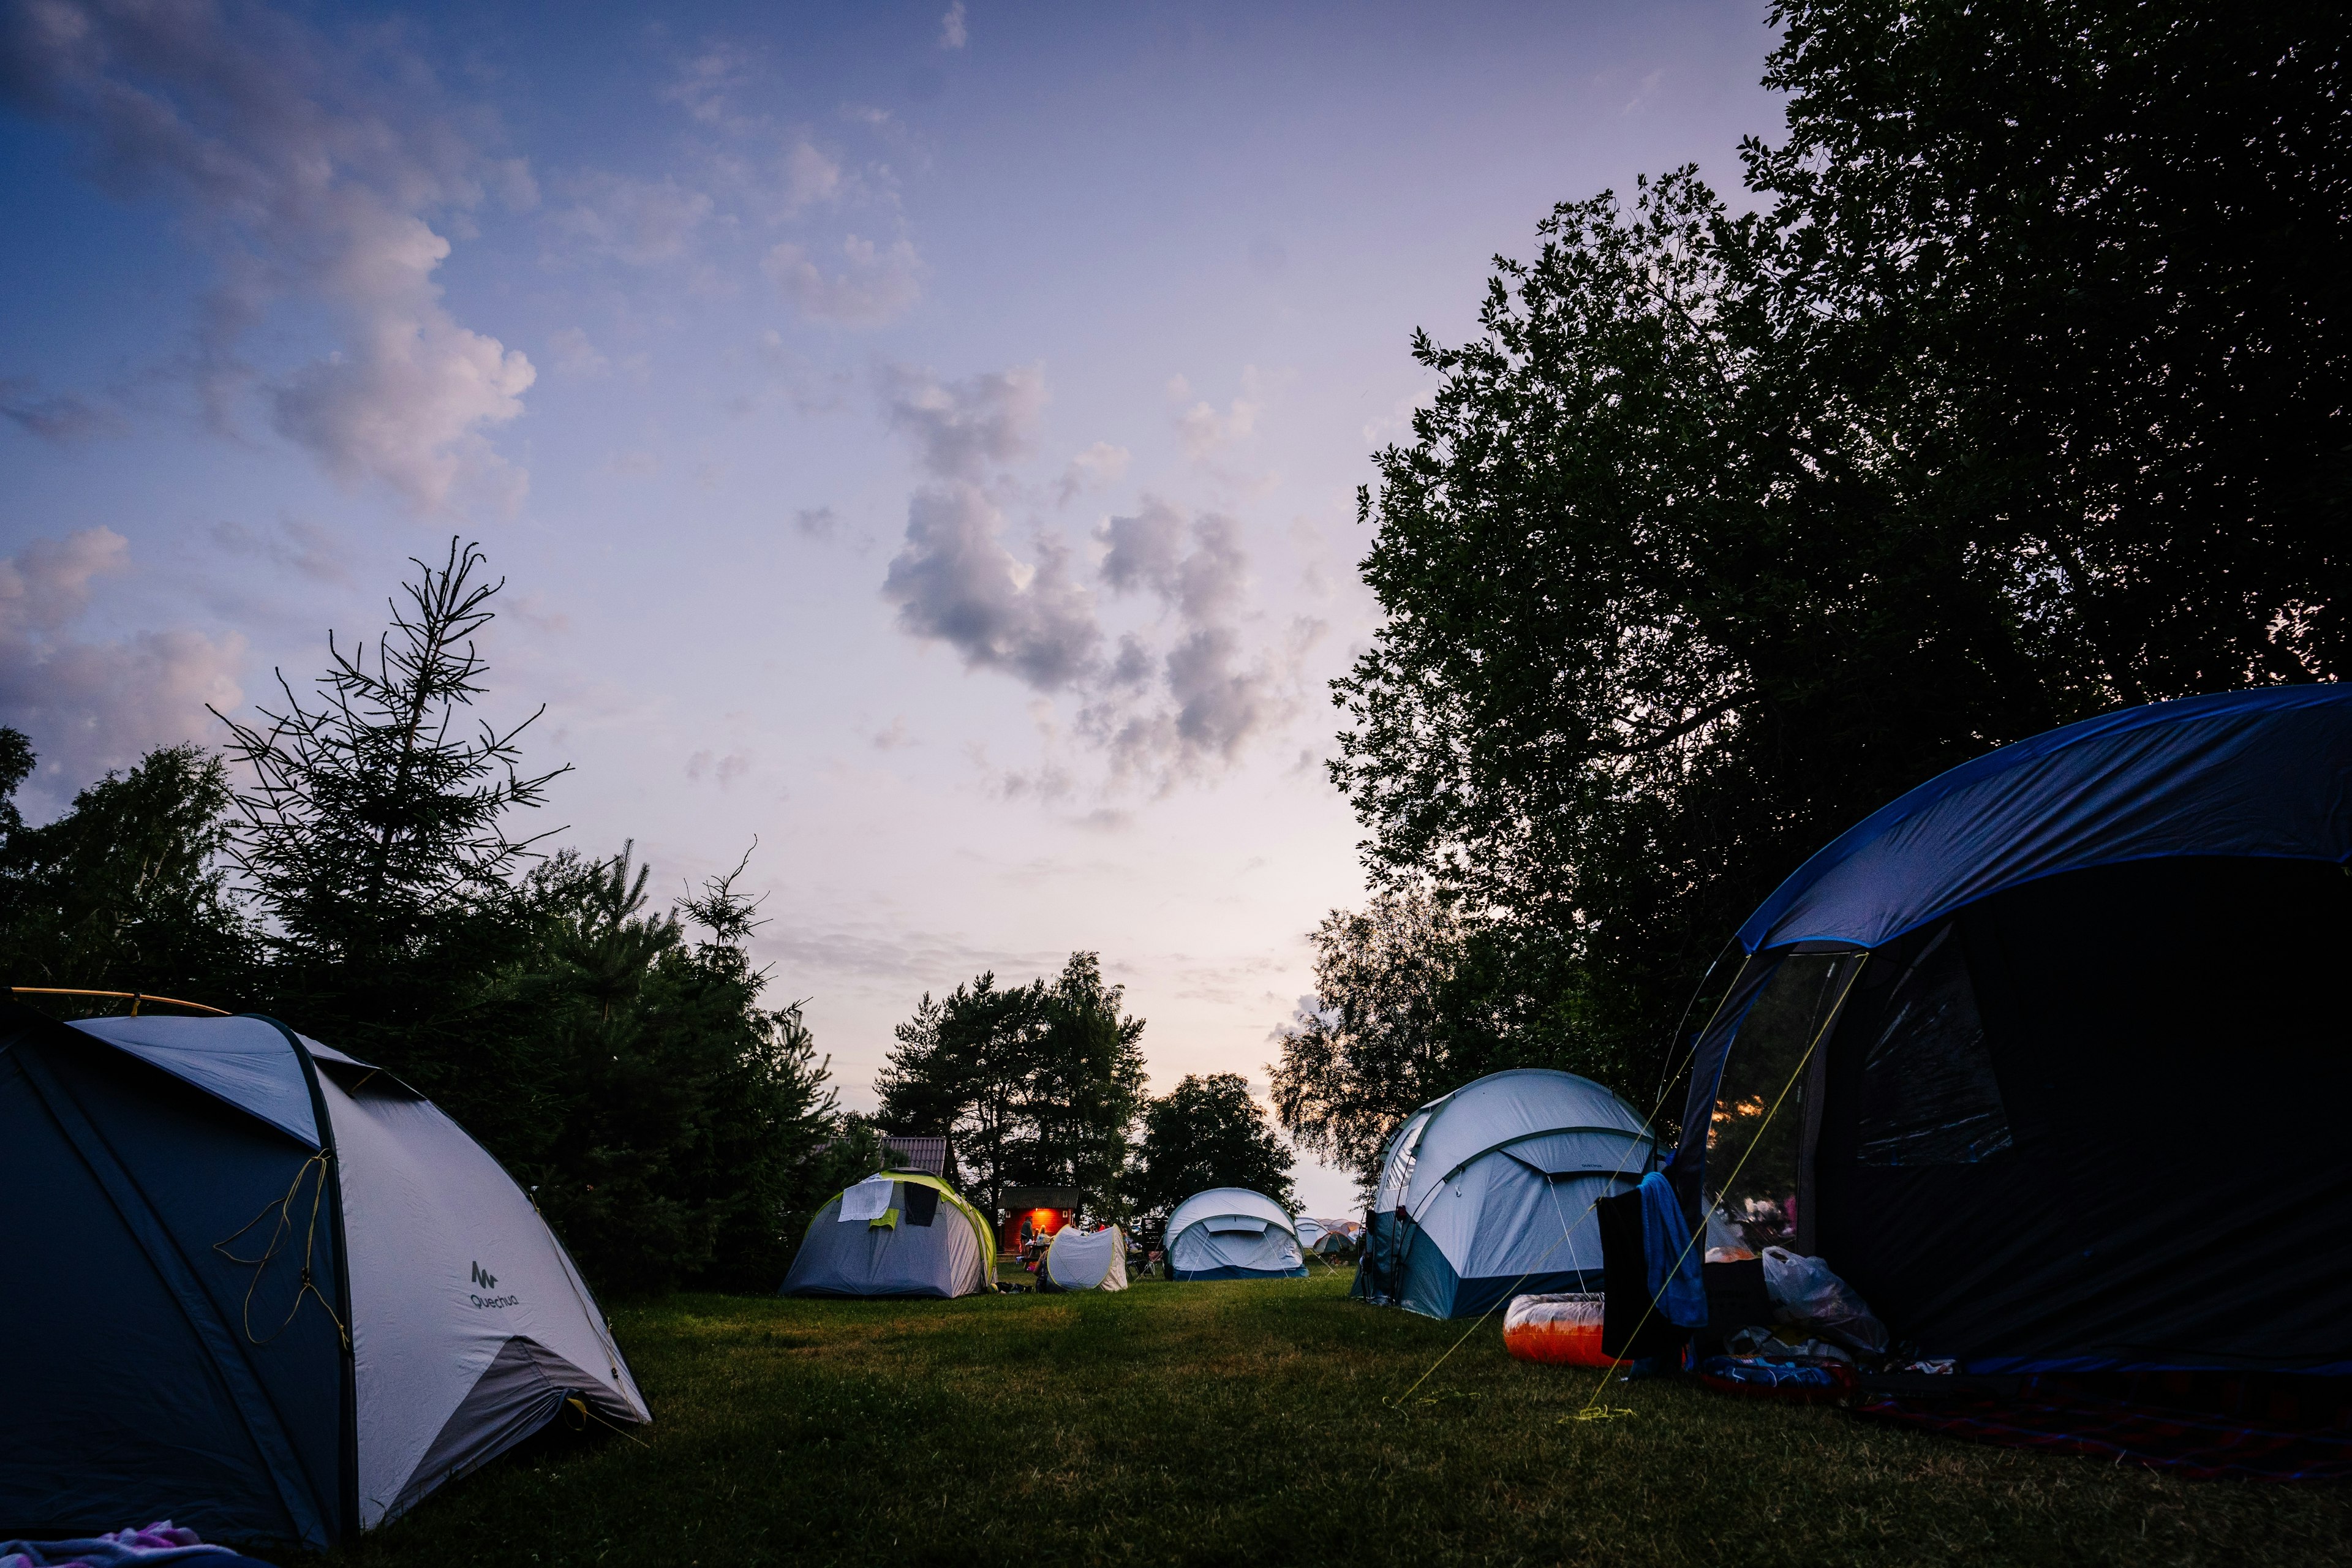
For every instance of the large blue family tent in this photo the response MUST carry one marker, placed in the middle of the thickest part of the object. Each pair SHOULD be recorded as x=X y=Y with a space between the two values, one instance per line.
x=261 y=1288
x=1489 y=1191
x=2050 y=1057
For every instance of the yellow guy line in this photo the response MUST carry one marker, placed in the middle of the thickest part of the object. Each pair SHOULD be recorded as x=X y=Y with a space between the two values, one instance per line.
x=1798 y=1071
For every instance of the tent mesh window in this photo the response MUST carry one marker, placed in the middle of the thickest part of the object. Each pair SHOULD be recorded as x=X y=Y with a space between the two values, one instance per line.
x=1758 y=1129
x=1929 y=1093
x=922 y=1203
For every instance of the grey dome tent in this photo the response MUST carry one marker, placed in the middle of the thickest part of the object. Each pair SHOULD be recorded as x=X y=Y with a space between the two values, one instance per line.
x=901 y=1233
x=1085 y=1260
x=2059 y=1049
x=1233 y=1233
x=1488 y=1191
x=262 y=1288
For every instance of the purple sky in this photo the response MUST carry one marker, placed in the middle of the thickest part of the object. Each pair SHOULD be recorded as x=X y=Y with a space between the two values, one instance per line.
x=924 y=442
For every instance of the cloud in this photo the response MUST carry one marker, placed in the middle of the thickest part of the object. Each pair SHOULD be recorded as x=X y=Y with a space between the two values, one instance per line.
x=1206 y=432
x=311 y=172
x=873 y=286
x=63 y=417
x=91 y=705
x=954 y=582
x=1146 y=552
x=953 y=34
x=962 y=428
x=570 y=352
x=317 y=552
x=725 y=769
x=704 y=82
x=1196 y=707
x=641 y=222
x=807 y=176
x=815 y=522
x=1099 y=464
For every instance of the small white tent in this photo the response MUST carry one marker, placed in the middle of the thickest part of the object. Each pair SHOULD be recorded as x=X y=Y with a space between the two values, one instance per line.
x=1488 y=1192
x=1086 y=1260
x=1233 y=1233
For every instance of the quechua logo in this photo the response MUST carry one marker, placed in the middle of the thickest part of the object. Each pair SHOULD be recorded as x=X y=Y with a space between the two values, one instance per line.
x=487 y=1280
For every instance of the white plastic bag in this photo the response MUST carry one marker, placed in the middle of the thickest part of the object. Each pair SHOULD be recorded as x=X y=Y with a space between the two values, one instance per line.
x=1806 y=1291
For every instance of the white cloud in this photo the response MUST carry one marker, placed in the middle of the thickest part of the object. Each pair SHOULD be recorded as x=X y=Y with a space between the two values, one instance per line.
x=873 y=286
x=1202 y=429
x=953 y=33
x=91 y=705
x=1099 y=464
x=962 y=428
x=311 y=172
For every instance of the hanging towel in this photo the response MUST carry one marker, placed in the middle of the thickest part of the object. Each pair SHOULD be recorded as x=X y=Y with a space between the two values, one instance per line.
x=1675 y=1282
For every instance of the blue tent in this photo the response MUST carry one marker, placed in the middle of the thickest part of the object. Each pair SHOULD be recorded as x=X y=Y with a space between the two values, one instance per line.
x=261 y=1288
x=1489 y=1191
x=2047 y=1057
x=1233 y=1233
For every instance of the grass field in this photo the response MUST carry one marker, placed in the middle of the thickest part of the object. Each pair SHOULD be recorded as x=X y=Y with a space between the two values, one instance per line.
x=1253 y=1422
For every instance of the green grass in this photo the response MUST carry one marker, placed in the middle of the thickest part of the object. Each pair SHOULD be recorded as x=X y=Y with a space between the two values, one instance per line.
x=1251 y=1422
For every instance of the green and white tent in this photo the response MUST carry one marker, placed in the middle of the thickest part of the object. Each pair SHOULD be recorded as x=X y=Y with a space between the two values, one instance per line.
x=898 y=1233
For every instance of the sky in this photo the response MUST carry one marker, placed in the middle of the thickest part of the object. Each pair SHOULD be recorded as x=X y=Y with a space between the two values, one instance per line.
x=920 y=441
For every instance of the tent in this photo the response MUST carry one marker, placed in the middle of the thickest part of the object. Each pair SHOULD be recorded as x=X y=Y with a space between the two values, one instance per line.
x=1233 y=1233
x=262 y=1288
x=1488 y=1192
x=1085 y=1260
x=900 y=1233
x=2048 y=1057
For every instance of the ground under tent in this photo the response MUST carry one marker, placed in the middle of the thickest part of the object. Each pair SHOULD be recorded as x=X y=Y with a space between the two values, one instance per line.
x=1085 y=1260
x=898 y=1233
x=1233 y=1233
x=1488 y=1192
x=2048 y=1058
x=265 y=1289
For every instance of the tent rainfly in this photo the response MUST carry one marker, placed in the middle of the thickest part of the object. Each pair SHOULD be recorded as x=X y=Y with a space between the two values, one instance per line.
x=1085 y=1260
x=2058 y=1046
x=1233 y=1233
x=900 y=1233
x=1488 y=1192
x=281 y=1296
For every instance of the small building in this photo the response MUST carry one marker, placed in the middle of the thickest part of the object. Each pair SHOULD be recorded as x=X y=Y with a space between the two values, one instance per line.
x=1035 y=1211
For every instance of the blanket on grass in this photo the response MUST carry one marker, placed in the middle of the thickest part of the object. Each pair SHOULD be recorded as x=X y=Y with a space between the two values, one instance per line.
x=2252 y=1426
x=157 y=1545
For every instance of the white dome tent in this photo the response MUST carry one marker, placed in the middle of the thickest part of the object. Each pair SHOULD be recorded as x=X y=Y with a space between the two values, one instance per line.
x=1233 y=1233
x=1085 y=1260
x=1488 y=1192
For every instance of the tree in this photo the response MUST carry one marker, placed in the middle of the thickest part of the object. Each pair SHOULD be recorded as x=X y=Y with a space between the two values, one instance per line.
x=674 y=1129
x=125 y=891
x=1374 y=1047
x=1206 y=1132
x=1038 y=1084
x=2023 y=398
x=373 y=829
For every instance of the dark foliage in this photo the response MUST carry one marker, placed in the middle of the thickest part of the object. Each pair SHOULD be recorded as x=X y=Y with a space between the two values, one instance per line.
x=123 y=892
x=2023 y=397
x=1035 y=1085
x=1206 y=1132
x=620 y=1062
